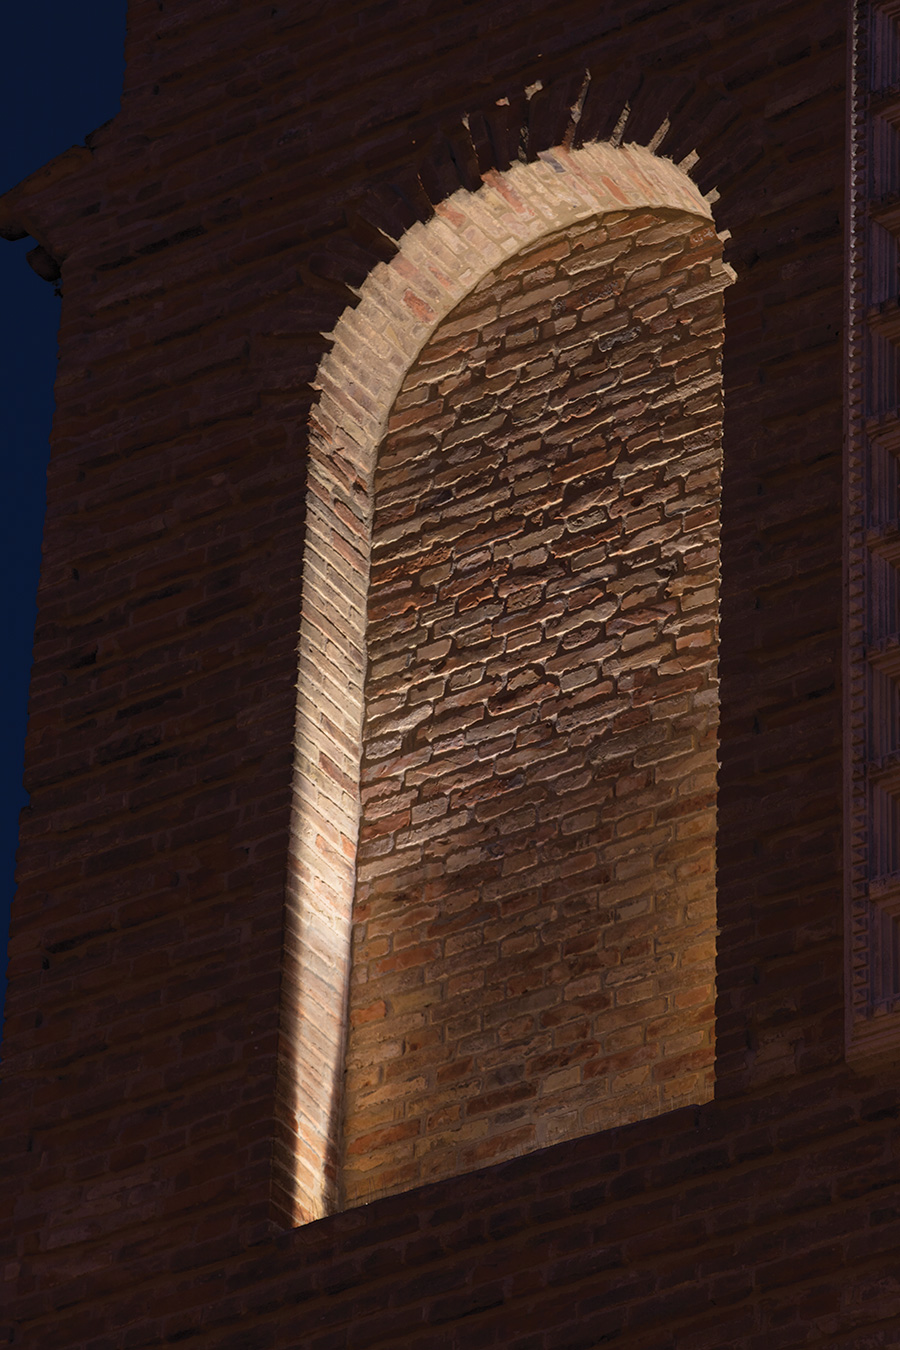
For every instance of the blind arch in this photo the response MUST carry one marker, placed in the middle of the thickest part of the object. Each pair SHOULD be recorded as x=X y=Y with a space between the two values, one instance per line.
x=375 y=344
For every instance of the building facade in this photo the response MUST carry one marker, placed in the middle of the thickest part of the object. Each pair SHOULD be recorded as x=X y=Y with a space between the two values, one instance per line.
x=458 y=901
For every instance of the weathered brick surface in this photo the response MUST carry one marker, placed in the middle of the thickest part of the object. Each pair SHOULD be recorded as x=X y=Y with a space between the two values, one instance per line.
x=208 y=238
x=534 y=923
x=400 y=304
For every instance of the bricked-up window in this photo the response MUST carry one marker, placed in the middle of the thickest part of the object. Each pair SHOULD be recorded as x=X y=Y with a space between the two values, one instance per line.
x=664 y=400
x=534 y=917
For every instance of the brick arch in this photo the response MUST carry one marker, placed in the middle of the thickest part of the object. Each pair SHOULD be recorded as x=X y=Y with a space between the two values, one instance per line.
x=375 y=343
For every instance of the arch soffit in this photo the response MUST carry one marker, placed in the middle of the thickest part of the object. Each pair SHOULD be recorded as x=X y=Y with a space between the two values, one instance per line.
x=439 y=262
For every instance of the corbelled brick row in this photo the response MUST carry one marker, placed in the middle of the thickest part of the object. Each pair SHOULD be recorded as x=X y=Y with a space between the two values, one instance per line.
x=534 y=925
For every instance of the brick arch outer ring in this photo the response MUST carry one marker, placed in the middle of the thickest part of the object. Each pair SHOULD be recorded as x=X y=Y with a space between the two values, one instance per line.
x=375 y=342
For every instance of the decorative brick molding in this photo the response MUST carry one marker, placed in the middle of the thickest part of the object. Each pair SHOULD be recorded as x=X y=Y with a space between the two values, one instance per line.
x=872 y=664
x=401 y=305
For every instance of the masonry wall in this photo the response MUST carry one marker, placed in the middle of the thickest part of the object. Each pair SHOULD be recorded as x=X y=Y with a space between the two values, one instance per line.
x=207 y=238
x=534 y=921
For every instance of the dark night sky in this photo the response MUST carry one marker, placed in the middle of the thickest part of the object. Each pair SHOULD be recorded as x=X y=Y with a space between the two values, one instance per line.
x=60 y=77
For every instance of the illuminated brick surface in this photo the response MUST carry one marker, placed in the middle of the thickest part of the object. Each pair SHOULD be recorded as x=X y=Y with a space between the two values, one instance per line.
x=535 y=911
x=264 y=159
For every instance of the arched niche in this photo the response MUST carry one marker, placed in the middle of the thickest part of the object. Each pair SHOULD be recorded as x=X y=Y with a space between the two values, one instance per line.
x=376 y=344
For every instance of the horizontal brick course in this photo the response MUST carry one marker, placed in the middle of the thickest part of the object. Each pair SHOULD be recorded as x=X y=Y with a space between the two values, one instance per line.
x=250 y=122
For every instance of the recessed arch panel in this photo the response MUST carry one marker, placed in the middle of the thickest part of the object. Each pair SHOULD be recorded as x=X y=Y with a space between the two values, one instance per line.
x=401 y=305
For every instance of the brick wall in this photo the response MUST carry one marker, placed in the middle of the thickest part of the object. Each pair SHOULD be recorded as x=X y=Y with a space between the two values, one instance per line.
x=375 y=341
x=534 y=925
x=208 y=238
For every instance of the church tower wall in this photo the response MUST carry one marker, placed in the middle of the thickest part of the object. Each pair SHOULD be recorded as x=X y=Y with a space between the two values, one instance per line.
x=265 y=163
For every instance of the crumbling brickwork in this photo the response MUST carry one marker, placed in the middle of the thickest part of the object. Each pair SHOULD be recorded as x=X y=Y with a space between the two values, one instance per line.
x=534 y=925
